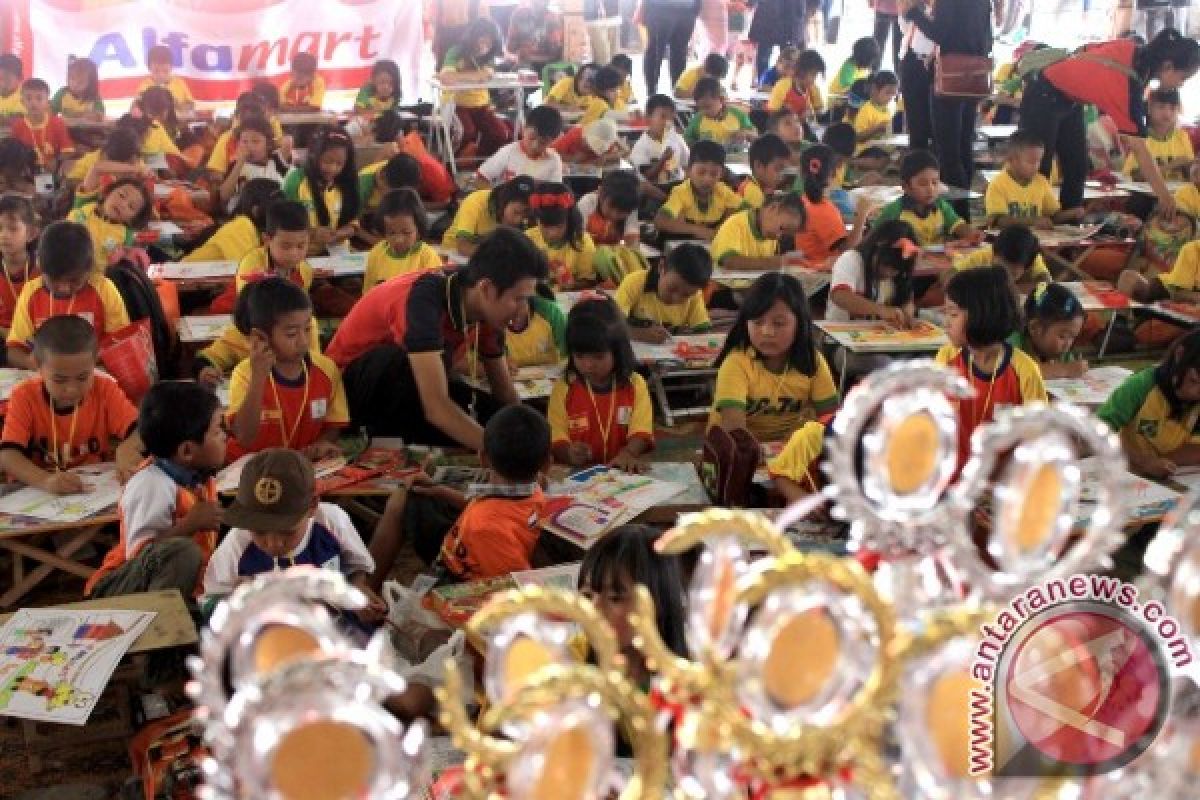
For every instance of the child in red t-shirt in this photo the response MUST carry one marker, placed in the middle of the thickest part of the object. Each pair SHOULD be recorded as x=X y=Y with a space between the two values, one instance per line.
x=17 y=264
x=41 y=128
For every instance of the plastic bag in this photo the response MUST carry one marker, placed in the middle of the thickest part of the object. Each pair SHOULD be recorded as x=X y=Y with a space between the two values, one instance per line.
x=415 y=630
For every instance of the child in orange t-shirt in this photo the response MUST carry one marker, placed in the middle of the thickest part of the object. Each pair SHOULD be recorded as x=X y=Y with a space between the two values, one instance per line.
x=67 y=286
x=824 y=233
x=305 y=89
x=67 y=415
x=286 y=394
x=17 y=264
x=498 y=528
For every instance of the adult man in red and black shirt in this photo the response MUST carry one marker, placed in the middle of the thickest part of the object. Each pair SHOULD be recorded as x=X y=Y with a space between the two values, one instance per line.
x=397 y=346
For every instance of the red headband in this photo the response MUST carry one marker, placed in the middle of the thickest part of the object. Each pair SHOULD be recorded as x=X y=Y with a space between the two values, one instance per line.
x=564 y=200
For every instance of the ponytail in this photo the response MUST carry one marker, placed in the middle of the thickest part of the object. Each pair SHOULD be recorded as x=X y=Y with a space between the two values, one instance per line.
x=1168 y=47
x=817 y=164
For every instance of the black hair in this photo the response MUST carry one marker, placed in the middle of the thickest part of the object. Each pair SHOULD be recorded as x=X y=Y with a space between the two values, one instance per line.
x=1050 y=303
x=546 y=120
x=607 y=79
x=692 y=261
x=776 y=118
x=1017 y=244
x=286 y=215
x=143 y=217
x=865 y=52
x=401 y=171
x=622 y=62
x=986 y=296
x=12 y=63
x=346 y=180
x=707 y=87
x=504 y=257
x=249 y=103
x=619 y=187
x=65 y=335
x=884 y=78
x=878 y=249
x=841 y=138
x=267 y=92
x=767 y=148
x=593 y=329
x=657 y=101
x=1182 y=355
x=809 y=62
x=35 y=85
x=759 y=298
x=915 y=162
x=817 y=165
x=256 y=123
x=256 y=197
x=138 y=126
x=404 y=202
x=516 y=441
x=387 y=127
x=19 y=206
x=65 y=250
x=513 y=190
x=18 y=159
x=626 y=555
x=92 y=90
x=122 y=145
x=1166 y=97
x=304 y=61
x=1168 y=47
x=1024 y=139
x=157 y=101
x=716 y=66
x=706 y=151
x=386 y=65
x=560 y=209
x=480 y=27
x=159 y=54
x=261 y=303
x=174 y=412
x=584 y=71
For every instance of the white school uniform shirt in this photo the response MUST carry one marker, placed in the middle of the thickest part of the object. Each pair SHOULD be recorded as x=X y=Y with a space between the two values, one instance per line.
x=849 y=272
x=510 y=161
x=274 y=170
x=329 y=523
x=646 y=151
x=147 y=507
x=590 y=203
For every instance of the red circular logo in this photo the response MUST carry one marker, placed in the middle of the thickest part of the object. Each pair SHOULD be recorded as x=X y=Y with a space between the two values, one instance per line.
x=1086 y=688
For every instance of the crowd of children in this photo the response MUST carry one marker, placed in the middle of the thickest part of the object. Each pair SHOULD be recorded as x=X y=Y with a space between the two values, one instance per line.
x=416 y=337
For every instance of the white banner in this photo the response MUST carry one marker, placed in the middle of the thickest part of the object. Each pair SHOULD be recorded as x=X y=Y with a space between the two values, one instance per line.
x=218 y=46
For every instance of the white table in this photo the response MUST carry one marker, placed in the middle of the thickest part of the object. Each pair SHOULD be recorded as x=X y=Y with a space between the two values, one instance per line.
x=444 y=106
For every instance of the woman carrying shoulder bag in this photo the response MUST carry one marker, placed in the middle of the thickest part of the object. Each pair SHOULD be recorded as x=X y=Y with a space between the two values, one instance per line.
x=962 y=32
x=1113 y=76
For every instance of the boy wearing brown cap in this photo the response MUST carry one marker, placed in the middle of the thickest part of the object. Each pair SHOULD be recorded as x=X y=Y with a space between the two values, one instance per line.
x=278 y=522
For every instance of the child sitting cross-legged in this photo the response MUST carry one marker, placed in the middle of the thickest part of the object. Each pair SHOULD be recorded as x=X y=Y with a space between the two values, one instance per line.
x=278 y=521
x=669 y=297
x=1020 y=193
x=404 y=224
x=67 y=415
x=286 y=239
x=169 y=510
x=716 y=120
x=932 y=218
x=497 y=523
x=286 y=394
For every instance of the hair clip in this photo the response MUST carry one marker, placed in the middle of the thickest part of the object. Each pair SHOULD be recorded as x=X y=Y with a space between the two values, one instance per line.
x=907 y=247
x=815 y=165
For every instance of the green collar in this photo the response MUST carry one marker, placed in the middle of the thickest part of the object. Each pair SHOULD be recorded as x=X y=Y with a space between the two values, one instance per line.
x=390 y=253
x=755 y=231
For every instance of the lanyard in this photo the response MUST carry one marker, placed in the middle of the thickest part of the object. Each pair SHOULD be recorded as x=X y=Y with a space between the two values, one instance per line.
x=289 y=437
x=12 y=289
x=612 y=416
x=60 y=462
x=976 y=421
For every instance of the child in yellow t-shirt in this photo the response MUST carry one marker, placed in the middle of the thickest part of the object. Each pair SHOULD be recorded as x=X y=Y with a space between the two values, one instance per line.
x=1182 y=283
x=158 y=61
x=1020 y=194
x=482 y=211
x=715 y=119
x=81 y=96
x=1187 y=197
x=1167 y=142
x=11 y=74
x=668 y=298
x=327 y=186
x=404 y=224
x=606 y=90
x=572 y=92
x=768 y=157
x=558 y=232
x=863 y=56
x=715 y=66
x=750 y=239
x=874 y=120
x=124 y=208
x=283 y=252
x=304 y=90
x=1017 y=250
x=931 y=217
x=241 y=234
x=697 y=206
x=158 y=107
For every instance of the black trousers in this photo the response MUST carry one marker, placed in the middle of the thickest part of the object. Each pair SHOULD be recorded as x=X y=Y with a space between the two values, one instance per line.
x=917 y=89
x=384 y=398
x=885 y=23
x=1058 y=121
x=667 y=30
x=953 y=140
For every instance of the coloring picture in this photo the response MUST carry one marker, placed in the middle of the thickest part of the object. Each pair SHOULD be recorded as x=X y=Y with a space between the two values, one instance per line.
x=204 y=328
x=9 y=378
x=866 y=336
x=1090 y=390
x=54 y=663
x=101 y=492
